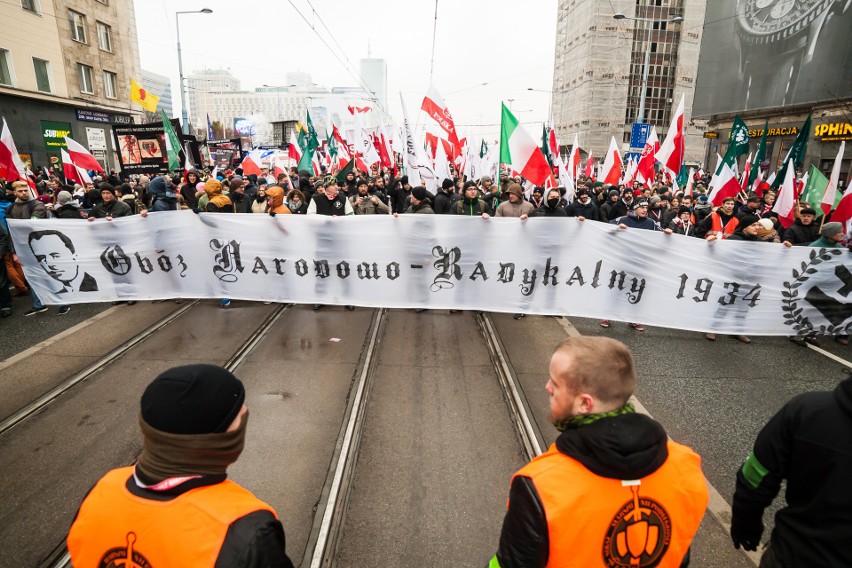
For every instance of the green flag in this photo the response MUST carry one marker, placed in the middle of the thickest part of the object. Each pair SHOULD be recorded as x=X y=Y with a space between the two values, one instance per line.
x=332 y=147
x=737 y=143
x=311 y=144
x=796 y=152
x=815 y=188
x=349 y=167
x=682 y=176
x=545 y=147
x=759 y=156
x=172 y=143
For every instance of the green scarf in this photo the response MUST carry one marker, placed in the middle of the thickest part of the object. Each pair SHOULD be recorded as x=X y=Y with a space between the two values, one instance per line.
x=586 y=419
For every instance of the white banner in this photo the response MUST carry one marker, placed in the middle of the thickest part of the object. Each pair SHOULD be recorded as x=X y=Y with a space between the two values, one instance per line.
x=538 y=266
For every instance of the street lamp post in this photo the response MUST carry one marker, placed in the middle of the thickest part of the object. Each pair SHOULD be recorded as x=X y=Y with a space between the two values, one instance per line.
x=549 y=102
x=184 y=113
x=641 y=114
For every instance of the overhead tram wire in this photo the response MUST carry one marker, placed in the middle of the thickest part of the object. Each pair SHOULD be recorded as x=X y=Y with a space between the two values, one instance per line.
x=357 y=76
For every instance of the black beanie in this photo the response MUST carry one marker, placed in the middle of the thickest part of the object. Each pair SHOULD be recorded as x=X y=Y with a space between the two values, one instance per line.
x=447 y=183
x=193 y=399
x=747 y=220
x=420 y=193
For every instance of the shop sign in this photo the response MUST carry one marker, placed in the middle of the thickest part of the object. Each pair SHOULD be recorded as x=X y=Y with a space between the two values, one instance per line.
x=833 y=131
x=87 y=115
x=96 y=138
x=54 y=134
x=775 y=131
x=713 y=134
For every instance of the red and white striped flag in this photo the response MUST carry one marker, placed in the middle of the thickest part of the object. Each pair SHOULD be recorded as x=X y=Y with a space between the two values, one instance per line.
x=671 y=151
x=831 y=189
x=11 y=165
x=612 y=164
x=574 y=158
x=645 y=167
x=434 y=106
x=81 y=157
x=784 y=204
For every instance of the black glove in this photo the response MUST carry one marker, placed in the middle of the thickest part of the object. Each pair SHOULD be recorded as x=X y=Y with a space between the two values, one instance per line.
x=747 y=535
x=272 y=213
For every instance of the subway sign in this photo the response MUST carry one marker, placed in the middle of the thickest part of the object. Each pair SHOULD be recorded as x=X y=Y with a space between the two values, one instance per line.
x=833 y=131
x=54 y=134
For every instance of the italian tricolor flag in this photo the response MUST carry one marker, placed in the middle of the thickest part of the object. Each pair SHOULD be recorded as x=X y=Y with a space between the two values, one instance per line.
x=518 y=149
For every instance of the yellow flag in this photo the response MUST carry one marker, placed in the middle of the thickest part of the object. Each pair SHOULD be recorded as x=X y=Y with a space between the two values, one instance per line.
x=142 y=97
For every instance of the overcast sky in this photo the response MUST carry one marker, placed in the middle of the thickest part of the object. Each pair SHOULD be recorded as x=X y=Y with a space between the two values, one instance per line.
x=485 y=50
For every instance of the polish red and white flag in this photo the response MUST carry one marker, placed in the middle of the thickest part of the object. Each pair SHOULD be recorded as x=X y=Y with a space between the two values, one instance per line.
x=611 y=173
x=81 y=157
x=671 y=151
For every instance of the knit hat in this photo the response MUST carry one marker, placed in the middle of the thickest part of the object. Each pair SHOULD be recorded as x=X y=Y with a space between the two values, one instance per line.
x=831 y=229
x=702 y=199
x=747 y=220
x=683 y=209
x=235 y=184
x=483 y=179
x=655 y=199
x=639 y=204
x=539 y=190
x=193 y=399
x=403 y=180
x=45 y=198
x=516 y=189
x=107 y=187
x=64 y=197
x=447 y=183
x=419 y=193
x=767 y=224
x=613 y=192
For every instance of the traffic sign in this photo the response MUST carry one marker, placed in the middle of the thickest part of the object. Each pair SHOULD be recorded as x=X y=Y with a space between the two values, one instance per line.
x=639 y=134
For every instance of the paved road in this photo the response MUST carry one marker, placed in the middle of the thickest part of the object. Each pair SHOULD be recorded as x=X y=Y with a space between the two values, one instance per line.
x=438 y=450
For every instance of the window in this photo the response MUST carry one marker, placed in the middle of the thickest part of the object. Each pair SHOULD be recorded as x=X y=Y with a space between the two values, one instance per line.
x=104 y=37
x=78 y=26
x=84 y=74
x=110 y=83
x=42 y=73
x=31 y=6
x=5 y=68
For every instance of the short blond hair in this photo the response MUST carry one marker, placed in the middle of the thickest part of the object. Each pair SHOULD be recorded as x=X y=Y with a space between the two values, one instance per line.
x=17 y=184
x=601 y=367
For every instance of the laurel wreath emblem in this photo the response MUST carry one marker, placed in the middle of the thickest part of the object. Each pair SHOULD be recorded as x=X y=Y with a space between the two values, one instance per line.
x=790 y=298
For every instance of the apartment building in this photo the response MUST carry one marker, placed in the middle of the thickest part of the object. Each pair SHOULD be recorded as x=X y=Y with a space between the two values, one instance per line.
x=65 y=69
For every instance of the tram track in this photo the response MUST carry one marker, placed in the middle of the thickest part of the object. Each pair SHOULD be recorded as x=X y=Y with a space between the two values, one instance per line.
x=324 y=549
x=332 y=503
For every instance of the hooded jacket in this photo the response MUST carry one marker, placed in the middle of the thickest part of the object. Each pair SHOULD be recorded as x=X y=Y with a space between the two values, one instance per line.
x=802 y=235
x=275 y=200
x=629 y=446
x=162 y=198
x=588 y=211
x=808 y=443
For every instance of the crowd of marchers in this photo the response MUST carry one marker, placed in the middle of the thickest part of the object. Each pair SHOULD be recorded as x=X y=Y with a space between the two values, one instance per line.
x=653 y=206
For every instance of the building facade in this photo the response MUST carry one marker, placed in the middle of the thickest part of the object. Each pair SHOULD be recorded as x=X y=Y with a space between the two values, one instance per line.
x=217 y=94
x=374 y=72
x=65 y=70
x=599 y=64
x=774 y=66
x=159 y=86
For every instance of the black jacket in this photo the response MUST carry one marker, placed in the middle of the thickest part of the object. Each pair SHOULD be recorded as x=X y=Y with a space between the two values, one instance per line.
x=115 y=208
x=443 y=203
x=802 y=235
x=629 y=446
x=808 y=443
x=545 y=211
x=588 y=211
x=68 y=211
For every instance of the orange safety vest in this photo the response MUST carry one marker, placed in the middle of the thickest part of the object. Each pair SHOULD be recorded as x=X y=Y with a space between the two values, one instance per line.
x=113 y=524
x=717 y=229
x=594 y=521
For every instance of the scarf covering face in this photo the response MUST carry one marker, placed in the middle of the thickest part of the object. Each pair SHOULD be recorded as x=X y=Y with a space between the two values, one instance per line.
x=166 y=455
